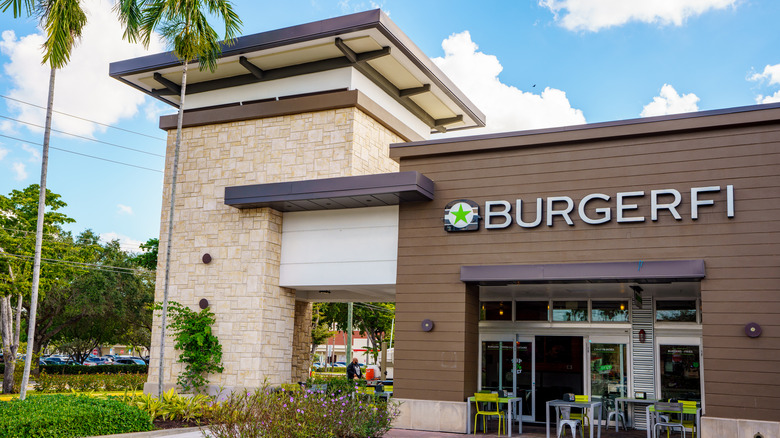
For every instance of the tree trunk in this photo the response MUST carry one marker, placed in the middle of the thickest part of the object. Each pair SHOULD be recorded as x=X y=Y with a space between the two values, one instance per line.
x=38 y=238
x=170 y=228
x=9 y=349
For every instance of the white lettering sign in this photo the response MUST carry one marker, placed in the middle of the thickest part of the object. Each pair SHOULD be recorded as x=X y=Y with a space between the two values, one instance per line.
x=597 y=208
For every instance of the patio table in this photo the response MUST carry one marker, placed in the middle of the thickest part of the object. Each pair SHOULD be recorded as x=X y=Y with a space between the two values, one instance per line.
x=686 y=411
x=635 y=401
x=592 y=406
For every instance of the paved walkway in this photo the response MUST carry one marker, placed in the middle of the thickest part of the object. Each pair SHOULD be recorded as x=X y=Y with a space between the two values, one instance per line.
x=529 y=431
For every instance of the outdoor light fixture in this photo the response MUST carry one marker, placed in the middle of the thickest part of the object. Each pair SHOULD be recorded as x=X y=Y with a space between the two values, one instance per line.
x=206 y=258
x=203 y=303
x=427 y=325
x=753 y=330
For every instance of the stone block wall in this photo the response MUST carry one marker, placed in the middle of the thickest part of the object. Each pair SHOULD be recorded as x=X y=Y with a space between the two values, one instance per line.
x=256 y=318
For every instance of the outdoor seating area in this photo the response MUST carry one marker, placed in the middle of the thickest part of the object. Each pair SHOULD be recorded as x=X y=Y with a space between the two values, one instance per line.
x=495 y=413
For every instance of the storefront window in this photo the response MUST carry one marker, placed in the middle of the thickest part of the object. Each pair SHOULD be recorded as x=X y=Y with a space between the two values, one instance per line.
x=608 y=377
x=532 y=310
x=680 y=377
x=616 y=311
x=570 y=311
x=495 y=311
x=677 y=311
x=497 y=366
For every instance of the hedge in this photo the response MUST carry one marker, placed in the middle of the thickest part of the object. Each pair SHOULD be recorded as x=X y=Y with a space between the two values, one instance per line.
x=89 y=382
x=66 y=416
x=97 y=369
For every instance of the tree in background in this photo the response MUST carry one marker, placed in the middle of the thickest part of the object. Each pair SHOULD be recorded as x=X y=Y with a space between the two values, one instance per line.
x=18 y=222
x=100 y=306
x=320 y=328
x=91 y=292
x=372 y=320
x=185 y=26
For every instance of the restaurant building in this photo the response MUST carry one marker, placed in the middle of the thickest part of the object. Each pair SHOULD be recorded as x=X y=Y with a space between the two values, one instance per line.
x=638 y=256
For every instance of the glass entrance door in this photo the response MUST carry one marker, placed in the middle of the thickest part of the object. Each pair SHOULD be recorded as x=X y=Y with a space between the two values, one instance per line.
x=524 y=375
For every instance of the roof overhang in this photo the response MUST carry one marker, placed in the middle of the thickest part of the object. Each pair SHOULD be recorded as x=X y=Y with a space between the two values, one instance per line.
x=368 y=42
x=636 y=272
x=334 y=193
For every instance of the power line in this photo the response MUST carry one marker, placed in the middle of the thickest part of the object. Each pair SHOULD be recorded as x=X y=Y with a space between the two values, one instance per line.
x=84 y=119
x=79 y=265
x=83 y=137
x=83 y=155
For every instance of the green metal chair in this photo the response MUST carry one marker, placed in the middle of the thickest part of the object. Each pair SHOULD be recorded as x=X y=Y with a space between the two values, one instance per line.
x=487 y=406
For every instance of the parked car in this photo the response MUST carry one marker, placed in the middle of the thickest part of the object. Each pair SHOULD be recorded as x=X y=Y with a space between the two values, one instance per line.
x=57 y=360
x=93 y=361
x=129 y=361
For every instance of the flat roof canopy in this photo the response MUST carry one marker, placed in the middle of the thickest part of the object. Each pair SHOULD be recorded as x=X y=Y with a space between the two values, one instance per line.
x=334 y=193
x=636 y=272
x=368 y=42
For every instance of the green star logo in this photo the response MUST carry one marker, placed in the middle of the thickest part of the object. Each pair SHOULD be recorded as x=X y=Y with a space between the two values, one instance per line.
x=461 y=215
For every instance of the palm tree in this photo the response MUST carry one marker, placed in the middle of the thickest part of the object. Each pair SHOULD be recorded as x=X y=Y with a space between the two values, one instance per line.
x=184 y=25
x=63 y=21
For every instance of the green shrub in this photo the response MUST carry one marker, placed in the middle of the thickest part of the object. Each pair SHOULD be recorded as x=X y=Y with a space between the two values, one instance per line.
x=88 y=382
x=172 y=406
x=283 y=414
x=65 y=416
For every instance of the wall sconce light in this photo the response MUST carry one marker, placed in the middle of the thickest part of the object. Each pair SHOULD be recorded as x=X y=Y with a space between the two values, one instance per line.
x=206 y=258
x=427 y=325
x=753 y=330
x=203 y=303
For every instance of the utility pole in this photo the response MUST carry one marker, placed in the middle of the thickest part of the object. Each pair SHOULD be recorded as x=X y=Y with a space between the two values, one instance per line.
x=349 y=332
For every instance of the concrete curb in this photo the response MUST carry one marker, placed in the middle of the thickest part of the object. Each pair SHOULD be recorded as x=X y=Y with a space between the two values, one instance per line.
x=154 y=433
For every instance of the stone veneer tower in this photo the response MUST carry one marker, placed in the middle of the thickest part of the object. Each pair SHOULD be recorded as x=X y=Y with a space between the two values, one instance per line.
x=315 y=105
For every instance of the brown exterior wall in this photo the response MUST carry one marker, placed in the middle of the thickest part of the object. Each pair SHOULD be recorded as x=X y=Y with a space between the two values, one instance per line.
x=742 y=254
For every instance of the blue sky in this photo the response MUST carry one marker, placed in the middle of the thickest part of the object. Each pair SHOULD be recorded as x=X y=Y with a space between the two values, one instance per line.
x=526 y=64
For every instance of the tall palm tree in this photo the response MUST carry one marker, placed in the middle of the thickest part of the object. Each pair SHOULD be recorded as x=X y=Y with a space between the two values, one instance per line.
x=184 y=25
x=63 y=22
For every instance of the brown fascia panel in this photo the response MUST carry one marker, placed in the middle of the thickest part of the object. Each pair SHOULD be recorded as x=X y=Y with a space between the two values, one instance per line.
x=669 y=124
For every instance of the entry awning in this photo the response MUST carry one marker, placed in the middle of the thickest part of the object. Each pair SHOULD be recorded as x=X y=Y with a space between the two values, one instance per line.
x=334 y=193
x=638 y=272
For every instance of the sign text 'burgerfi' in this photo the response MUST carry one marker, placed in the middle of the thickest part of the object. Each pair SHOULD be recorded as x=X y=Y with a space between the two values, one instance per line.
x=593 y=209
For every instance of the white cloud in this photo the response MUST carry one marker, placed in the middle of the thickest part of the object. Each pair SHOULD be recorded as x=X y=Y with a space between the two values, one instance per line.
x=769 y=99
x=126 y=243
x=3 y=153
x=594 y=15
x=670 y=102
x=771 y=74
x=35 y=154
x=506 y=108
x=20 y=170
x=83 y=87
x=124 y=209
